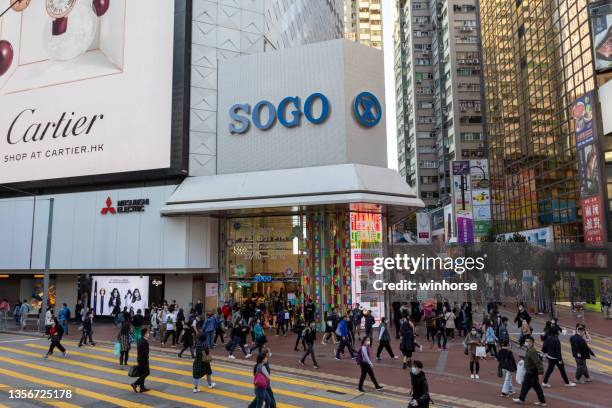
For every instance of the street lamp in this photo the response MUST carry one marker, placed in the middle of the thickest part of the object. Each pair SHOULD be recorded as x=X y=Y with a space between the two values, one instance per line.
x=45 y=296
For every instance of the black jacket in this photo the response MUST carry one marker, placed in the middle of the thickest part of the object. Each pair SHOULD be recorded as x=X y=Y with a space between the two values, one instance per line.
x=580 y=348
x=420 y=389
x=407 y=334
x=138 y=320
x=310 y=336
x=143 y=354
x=552 y=347
x=58 y=334
x=520 y=316
x=369 y=322
x=506 y=360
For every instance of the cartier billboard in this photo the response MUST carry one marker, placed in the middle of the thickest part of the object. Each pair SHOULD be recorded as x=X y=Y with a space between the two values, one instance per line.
x=93 y=88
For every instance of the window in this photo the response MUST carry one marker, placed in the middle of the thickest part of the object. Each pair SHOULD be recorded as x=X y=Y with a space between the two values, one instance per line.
x=467 y=136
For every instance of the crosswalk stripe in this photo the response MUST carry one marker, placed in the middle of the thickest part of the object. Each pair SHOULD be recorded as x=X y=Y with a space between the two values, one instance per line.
x=153 y=393
x=217 y=379
x=150 y=378
x=225 y=369
x=80 y=391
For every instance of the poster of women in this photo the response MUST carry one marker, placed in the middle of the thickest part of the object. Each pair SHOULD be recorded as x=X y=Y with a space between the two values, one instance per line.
x=117 y=292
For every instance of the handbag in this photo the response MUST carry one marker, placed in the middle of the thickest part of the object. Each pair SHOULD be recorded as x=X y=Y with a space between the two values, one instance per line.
x=520 y=372
x=481 y=351
x=260 y=380
x=117 y=350
x=134 y=371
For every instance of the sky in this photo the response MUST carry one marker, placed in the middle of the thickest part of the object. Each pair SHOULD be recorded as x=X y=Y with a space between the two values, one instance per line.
x=388 y=49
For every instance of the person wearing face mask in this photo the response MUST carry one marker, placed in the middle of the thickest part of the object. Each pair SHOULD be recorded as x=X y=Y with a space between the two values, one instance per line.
x=310 y=336
x=533 y=369
x=364 y=361
x=473 y=340
x=143 y=362
x=552 y=351
x=420 y=389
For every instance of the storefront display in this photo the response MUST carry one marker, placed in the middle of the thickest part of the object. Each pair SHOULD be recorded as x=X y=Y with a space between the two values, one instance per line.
x=121 y=291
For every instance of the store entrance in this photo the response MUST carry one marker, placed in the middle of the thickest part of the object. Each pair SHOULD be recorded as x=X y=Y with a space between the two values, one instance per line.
x=264 y=257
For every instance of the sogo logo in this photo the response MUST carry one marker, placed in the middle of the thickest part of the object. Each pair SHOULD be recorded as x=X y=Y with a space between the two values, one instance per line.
x=243 y=123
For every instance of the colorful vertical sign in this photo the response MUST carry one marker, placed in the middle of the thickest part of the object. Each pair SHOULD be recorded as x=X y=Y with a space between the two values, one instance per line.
x=366 y=244
x=462 y=201
x=589 y=169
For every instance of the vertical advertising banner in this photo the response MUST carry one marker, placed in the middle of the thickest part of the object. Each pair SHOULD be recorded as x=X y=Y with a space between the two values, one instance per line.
x=601 y=31
x=589 y=162
x=462 y=201
x=366 y=244
x=423 y=228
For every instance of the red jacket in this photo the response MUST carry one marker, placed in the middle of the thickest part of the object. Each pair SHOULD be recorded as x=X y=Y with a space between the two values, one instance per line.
x=226 y=310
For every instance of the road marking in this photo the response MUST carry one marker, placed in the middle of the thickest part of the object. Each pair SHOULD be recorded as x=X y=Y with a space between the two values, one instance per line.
x=80 y=391
x=217 y=378
x=228 y=370
x=19 y=340
x=113 y=384
x=150 y=378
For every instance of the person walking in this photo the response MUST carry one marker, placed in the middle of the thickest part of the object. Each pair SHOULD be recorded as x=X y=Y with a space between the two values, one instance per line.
x=64 y=317
x=490 y=339
x=261 y=380
x=17 y=313
x=552 y=351
x=209 y=330
x=259 y=337
x=154 y=323
x=343 y=334
x=357 y=315
x=507 y=365
x=473 y=340
x=78 y=308
x=439 y=331
x=202 y=365
x=329 y=328
x=504 y=335
x=365 y=363
x=407 y=342
x=369 y=323
x=299 y=327
x=24 y=310
x=87 y=330
x=384 y=339
x=239 y=333
x=581 y=352
x=56 y=331
x=420 y=388
x=280 y=322
x=137 y=323
x=450 y=318
x=187 y=341
x=170 y=330
x=142 y=360
x=124 y=340
x=219 y=327
x=533 y=369
x=310 y=336
x=525 y=332
x=5 y=308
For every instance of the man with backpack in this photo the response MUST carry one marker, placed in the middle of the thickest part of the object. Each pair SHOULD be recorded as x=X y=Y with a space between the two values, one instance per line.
x=309 y=334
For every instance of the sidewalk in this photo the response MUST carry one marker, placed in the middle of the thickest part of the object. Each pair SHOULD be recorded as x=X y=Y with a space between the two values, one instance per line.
x=447 y=372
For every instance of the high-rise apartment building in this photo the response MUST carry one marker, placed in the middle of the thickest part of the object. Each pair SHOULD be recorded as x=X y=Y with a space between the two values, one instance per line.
x=438 y=81
x=538 y=60
x=363 y=22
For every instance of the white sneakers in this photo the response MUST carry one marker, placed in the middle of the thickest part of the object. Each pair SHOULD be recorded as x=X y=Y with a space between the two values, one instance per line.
x=248 y=356
x=570 y=384
x=477 y=376
x=212 y=385
x=540 y=404
x=472 y=376
x=196 y=390
x=231 y=356
x=546 y=385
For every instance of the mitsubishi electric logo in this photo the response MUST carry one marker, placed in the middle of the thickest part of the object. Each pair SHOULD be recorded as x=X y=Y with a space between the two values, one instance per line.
x=125 y=206
x=367 y=109
x=109 y=207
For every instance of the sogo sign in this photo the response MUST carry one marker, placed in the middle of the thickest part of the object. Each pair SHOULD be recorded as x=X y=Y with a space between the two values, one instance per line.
x=366 y=108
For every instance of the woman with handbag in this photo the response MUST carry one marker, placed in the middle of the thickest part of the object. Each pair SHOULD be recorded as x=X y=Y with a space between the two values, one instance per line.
x=365 y=363
x=201 y=365
x=56 y=331
x=261 y=380
x=123 y=338
x=472 y=341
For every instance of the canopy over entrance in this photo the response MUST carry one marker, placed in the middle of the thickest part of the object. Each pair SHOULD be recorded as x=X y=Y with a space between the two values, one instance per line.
x=292 y=190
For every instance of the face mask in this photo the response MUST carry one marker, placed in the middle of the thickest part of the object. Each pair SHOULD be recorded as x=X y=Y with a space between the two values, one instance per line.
x=413 y=370
x=473 y=331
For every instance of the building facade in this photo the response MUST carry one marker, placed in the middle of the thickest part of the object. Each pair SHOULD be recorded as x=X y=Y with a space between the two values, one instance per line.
x=363 y=22
x=283 y=188
x=438 y=92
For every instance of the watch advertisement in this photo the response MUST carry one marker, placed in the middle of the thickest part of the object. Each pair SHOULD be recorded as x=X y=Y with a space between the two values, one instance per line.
x=111 y=292
x=86 y=88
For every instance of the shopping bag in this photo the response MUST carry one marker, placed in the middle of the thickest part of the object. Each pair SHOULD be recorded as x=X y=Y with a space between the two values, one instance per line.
x=520 y=372
x=481 y=351
x=261 y=381
x=117 y=348
x=134 y=371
